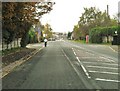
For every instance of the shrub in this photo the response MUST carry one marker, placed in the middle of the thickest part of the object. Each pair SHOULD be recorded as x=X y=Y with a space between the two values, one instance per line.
x=96 y=34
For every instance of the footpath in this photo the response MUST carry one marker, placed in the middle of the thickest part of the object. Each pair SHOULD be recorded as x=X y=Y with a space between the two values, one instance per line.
x=9 y=62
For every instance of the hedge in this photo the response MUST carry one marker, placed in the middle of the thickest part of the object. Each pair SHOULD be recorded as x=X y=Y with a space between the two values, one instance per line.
x=96 y=34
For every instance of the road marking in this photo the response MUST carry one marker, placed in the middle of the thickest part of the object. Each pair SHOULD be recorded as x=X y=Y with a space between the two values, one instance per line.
x=100 y=63
x=103 y=72
x=71 y=63
x=113 y=49
x=101 y=67
x=90 y=53
x=83 y=68
x=108 y=80
x=77 y=72
x=74 y=52
x=81 y=65
x=107 y=59
x=87 y=57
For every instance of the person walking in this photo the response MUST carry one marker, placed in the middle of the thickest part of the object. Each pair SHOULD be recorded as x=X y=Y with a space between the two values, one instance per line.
x=45 y=42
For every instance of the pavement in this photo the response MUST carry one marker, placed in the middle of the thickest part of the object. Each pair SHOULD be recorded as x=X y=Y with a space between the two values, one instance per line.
x=7 y=69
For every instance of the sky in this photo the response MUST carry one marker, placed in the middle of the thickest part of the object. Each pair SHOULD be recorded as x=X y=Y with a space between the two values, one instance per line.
x=66 y=13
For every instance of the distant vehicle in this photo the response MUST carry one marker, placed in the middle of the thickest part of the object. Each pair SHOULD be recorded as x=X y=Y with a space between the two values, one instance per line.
x=53 y=39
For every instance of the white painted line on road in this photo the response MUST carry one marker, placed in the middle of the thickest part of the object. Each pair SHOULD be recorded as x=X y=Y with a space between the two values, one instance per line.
x=87 y=57
x=71 y=63
x=90 y=53
x=102 y=72
x=100 y=63
x=74 y=52
x=77 y=72
x=82 y=65
x=79 y=47
x=107 y=59
x=108 y=80
x=113 y=49
x=101 y=67
x=83 y=68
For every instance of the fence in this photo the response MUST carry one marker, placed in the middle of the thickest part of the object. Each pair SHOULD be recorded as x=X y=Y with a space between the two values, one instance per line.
x=13 y=44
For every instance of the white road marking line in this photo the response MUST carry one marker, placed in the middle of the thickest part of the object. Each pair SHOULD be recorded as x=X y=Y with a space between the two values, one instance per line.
x=71 y=63
x=83 y=68
x=87 y=57
x=77 y=72
x=101 y=67
x=82 y=65
x=90 y=53
x=100 y=63
x=112 y=49
x=103 y=72
x=107 y=59
x=108 y=80
x=74 y=52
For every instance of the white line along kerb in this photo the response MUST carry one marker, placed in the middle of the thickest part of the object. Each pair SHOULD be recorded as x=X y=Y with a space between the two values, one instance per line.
x=83 y=68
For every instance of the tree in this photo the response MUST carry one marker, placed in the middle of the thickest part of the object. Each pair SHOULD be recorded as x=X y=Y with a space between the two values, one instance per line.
x=76 y=32
x=18 y=17
x=48 y=31
x=69 y=35
x=92 y=18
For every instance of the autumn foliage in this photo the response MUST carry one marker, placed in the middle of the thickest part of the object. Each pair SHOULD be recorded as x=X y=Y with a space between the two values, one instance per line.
x=18 y=17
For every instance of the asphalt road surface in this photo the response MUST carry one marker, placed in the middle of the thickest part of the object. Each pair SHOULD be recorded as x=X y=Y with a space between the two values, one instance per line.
x=67 y=65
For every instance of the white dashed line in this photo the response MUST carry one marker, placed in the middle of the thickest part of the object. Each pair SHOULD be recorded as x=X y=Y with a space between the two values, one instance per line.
x=74 y=52
x=81 y=65
x=83 y=68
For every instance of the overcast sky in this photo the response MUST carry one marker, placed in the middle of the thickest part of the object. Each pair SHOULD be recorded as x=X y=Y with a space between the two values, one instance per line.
x=66 y=13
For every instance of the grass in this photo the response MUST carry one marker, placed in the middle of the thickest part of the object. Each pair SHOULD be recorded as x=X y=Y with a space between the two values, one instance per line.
x=80 y=41
x=84 y=42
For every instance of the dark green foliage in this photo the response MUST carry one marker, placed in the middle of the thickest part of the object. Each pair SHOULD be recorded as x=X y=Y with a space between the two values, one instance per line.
x=24 y=40
x=96 y=34
x=69 y=34
x=8 y=36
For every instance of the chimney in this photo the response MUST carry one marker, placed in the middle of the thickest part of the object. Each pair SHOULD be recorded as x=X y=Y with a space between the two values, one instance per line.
x=107 y=10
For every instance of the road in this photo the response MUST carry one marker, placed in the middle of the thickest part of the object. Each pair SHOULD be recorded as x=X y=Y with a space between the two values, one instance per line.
x=67 y=65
